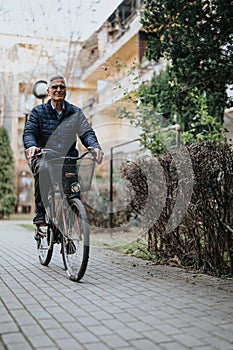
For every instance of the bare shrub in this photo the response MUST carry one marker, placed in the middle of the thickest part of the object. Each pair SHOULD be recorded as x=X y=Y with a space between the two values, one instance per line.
x=203 y=239
x=97 y=207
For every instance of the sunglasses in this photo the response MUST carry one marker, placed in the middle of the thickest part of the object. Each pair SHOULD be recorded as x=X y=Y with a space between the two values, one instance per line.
x=55 y=87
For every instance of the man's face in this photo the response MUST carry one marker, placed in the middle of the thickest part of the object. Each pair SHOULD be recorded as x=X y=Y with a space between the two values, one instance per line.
x=57 y=90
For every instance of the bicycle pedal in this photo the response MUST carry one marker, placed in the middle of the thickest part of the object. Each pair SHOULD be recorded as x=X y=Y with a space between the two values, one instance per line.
x=70 y=247
x=37 y=237
x=39 y=233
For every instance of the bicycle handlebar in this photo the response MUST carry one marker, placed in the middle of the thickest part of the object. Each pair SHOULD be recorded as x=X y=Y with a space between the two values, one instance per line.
x=58 y=155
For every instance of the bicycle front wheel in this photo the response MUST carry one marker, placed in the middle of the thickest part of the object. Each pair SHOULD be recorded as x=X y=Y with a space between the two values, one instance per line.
x=75 y=241
x=45 y=240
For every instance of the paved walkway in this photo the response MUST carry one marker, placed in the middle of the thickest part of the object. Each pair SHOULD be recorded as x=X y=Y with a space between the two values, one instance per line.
x=122 y=303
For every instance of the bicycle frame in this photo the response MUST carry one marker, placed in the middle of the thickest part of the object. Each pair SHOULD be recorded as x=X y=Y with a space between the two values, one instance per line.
x=67 y=219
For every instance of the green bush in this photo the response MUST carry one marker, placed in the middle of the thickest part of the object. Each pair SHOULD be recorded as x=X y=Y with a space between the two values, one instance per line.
x=7 y=191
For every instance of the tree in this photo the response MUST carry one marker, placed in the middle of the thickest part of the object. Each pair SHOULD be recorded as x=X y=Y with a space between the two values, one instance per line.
x=197 y=38
x=188 y=109
x=159 y=105
x=7 y=190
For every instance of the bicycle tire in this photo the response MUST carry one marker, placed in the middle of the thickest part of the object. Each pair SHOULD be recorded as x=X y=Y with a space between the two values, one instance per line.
x=75 y=242
x=45 y=246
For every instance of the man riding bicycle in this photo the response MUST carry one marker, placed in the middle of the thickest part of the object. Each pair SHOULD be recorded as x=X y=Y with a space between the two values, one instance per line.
x=56 y=125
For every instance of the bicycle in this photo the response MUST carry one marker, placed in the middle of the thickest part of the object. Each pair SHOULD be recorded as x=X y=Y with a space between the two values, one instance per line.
x=66 y=217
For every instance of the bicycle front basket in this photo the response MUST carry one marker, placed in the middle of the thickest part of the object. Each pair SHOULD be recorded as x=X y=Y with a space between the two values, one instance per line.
x=85 y=167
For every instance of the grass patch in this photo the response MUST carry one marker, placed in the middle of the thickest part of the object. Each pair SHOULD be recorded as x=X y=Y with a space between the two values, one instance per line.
x=21 y=216
x=121 y=242
x=137 y=249
x=29 y=227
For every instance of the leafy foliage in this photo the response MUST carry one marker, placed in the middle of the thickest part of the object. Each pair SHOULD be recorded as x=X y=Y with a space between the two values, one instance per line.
x=159 y=105
x=7 y=190
x=197 y=37
x=151 y=125
x=203 y=127
x=189 y=109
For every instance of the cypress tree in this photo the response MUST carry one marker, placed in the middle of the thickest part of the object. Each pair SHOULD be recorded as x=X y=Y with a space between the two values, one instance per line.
x=7 y=189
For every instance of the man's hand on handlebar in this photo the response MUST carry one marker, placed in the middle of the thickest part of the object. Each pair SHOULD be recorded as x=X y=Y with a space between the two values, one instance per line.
x=31 y=151
x=99 y=155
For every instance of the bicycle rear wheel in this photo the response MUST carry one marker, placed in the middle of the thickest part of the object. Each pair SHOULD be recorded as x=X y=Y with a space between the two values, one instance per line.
x=45 y=240
x=75 y=241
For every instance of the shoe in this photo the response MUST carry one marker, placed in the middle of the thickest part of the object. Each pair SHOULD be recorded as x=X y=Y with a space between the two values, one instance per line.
x=39 y=219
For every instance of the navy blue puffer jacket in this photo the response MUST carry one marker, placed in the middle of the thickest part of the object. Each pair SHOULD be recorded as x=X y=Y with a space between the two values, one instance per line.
x=44 y=129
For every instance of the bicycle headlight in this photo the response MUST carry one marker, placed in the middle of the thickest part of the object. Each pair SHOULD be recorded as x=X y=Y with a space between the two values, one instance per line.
x=75 y=187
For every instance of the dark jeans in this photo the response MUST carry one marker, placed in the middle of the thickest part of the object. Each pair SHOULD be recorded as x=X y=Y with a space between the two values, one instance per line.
x=41 y=183
x=42 y=180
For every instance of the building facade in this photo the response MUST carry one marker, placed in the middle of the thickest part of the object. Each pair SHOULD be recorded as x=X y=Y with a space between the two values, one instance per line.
x=100 y=72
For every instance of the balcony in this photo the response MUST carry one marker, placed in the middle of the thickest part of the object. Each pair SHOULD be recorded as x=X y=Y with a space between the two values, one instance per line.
x=114 y=41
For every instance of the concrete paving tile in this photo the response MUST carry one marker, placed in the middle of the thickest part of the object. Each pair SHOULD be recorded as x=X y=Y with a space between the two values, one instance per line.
x=62 y=316
x=58 y=333
x=156 y=336
x=129 y=334
x=219 y=343
x=205 y=347
x=8 y=327
x=13 y=338
x=40 y=341
x=187 y=340
x=114 y=324
x=23 y=318
x=122 y=303
x=196 y=332
x=96 y=346
x=74 y=327
x=113 y=341
x=226 y=326
x=169 y=329
x=143 y=344
x=74 y=310
x=125 y=316
x=140 y=326
x=49 y=323
x=19 y=346
x=32 y=330
x=71 y=344
x=173 y=346
x=85 y=337
x=100 y=330
x=102 y=315
x=87 y=321
x=13 y=304
x=129 y=347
